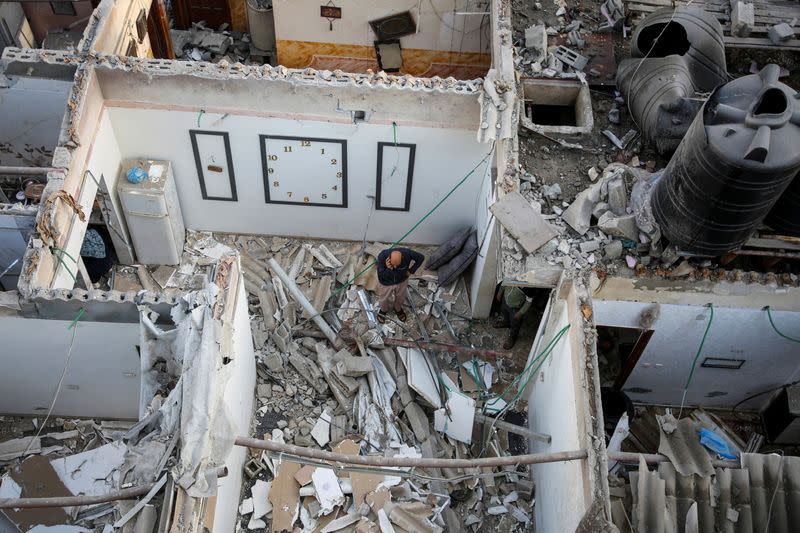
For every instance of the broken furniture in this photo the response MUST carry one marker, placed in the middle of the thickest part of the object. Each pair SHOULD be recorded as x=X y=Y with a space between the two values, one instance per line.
x=674 y=55
x=738 y=156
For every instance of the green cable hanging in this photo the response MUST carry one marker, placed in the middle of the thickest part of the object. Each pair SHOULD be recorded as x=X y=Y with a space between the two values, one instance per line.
x=772 y=323
x=700 y=348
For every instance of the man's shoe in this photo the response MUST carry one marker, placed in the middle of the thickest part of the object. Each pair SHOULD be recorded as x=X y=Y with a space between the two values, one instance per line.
x=401 y=315
x=381 y=316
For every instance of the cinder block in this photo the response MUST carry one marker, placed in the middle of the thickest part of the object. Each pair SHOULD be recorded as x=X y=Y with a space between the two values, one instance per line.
x=743 y=19
x=780 y=32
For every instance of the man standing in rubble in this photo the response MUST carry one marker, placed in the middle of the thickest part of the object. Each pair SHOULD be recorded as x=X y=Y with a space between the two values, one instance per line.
x=514 y=303
x=395 y=266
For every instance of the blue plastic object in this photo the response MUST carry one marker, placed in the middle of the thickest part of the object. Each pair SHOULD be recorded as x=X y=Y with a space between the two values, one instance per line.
x=716 y=444
x=136 y=175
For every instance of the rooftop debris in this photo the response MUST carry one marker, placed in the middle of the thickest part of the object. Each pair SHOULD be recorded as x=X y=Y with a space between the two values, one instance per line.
x=356 y=393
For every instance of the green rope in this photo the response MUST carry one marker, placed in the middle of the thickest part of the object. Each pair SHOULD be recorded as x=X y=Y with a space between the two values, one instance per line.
x=60 y=259
x=700 y=348
x=200 y=114
x=394 y=130
x=75 y=320
x=769 y=314
x=540 y=359
x=63 y=252
x=415 y=226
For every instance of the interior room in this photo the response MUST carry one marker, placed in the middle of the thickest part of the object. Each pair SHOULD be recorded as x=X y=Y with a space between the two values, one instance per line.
x=685 y=370
x=420 y=38
x=249 y=165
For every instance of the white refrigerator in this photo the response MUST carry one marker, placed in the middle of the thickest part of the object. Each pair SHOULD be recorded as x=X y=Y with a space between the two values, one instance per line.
x=153 y=213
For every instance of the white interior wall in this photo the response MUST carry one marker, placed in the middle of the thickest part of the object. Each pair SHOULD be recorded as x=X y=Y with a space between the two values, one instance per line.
x=238 y=398
x=31 y=111
x=443 y=157
x=102 y=379
x=555 y=409
x=102 y=159
x=736 y=333
x=439 y=27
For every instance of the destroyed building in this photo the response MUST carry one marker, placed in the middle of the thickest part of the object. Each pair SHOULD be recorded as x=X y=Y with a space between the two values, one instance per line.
x=194 y=196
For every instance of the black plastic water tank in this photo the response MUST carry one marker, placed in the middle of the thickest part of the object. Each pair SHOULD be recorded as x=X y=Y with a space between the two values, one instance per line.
x=785 y=216
x=674 y=55
x=740 y=153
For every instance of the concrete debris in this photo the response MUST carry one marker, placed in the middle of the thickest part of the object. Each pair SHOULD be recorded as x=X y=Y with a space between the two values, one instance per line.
x=571 y=58
x=522 y=221
x=536 y=40
x=619 y=226
x=780 y=33
x=322 y=429
x=743 y=18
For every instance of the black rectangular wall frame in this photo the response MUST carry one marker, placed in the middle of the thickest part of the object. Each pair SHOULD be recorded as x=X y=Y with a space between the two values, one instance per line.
x=265 y=168
x=200 y=175
x=409 y=177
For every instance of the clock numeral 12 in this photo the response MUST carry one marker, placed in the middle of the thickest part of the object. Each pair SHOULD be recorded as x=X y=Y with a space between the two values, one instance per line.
x=305 y=143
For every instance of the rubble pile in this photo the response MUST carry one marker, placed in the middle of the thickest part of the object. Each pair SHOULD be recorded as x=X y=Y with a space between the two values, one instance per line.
x=536 y=58
x=65 y=457
x=201 y=43
x=360 y=394
x=598 y=227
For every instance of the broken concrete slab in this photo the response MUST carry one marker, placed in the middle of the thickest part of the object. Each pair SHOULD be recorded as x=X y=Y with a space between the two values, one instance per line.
x=617 y=196
x=536 y=39
x=624 y=226
x=260 y=494
x=354 y=366
x=520 y=219
x=15 y=448
x=579 y=214
x=322 y=429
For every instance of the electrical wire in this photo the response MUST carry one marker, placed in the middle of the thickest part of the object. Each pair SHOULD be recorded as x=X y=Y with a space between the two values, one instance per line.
x=756 y=395
x=652 y=47
x=60 y=259
x=697 y=355
x=772 y=323
x=420 y=221
x=74 y=327
x=778 y=483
